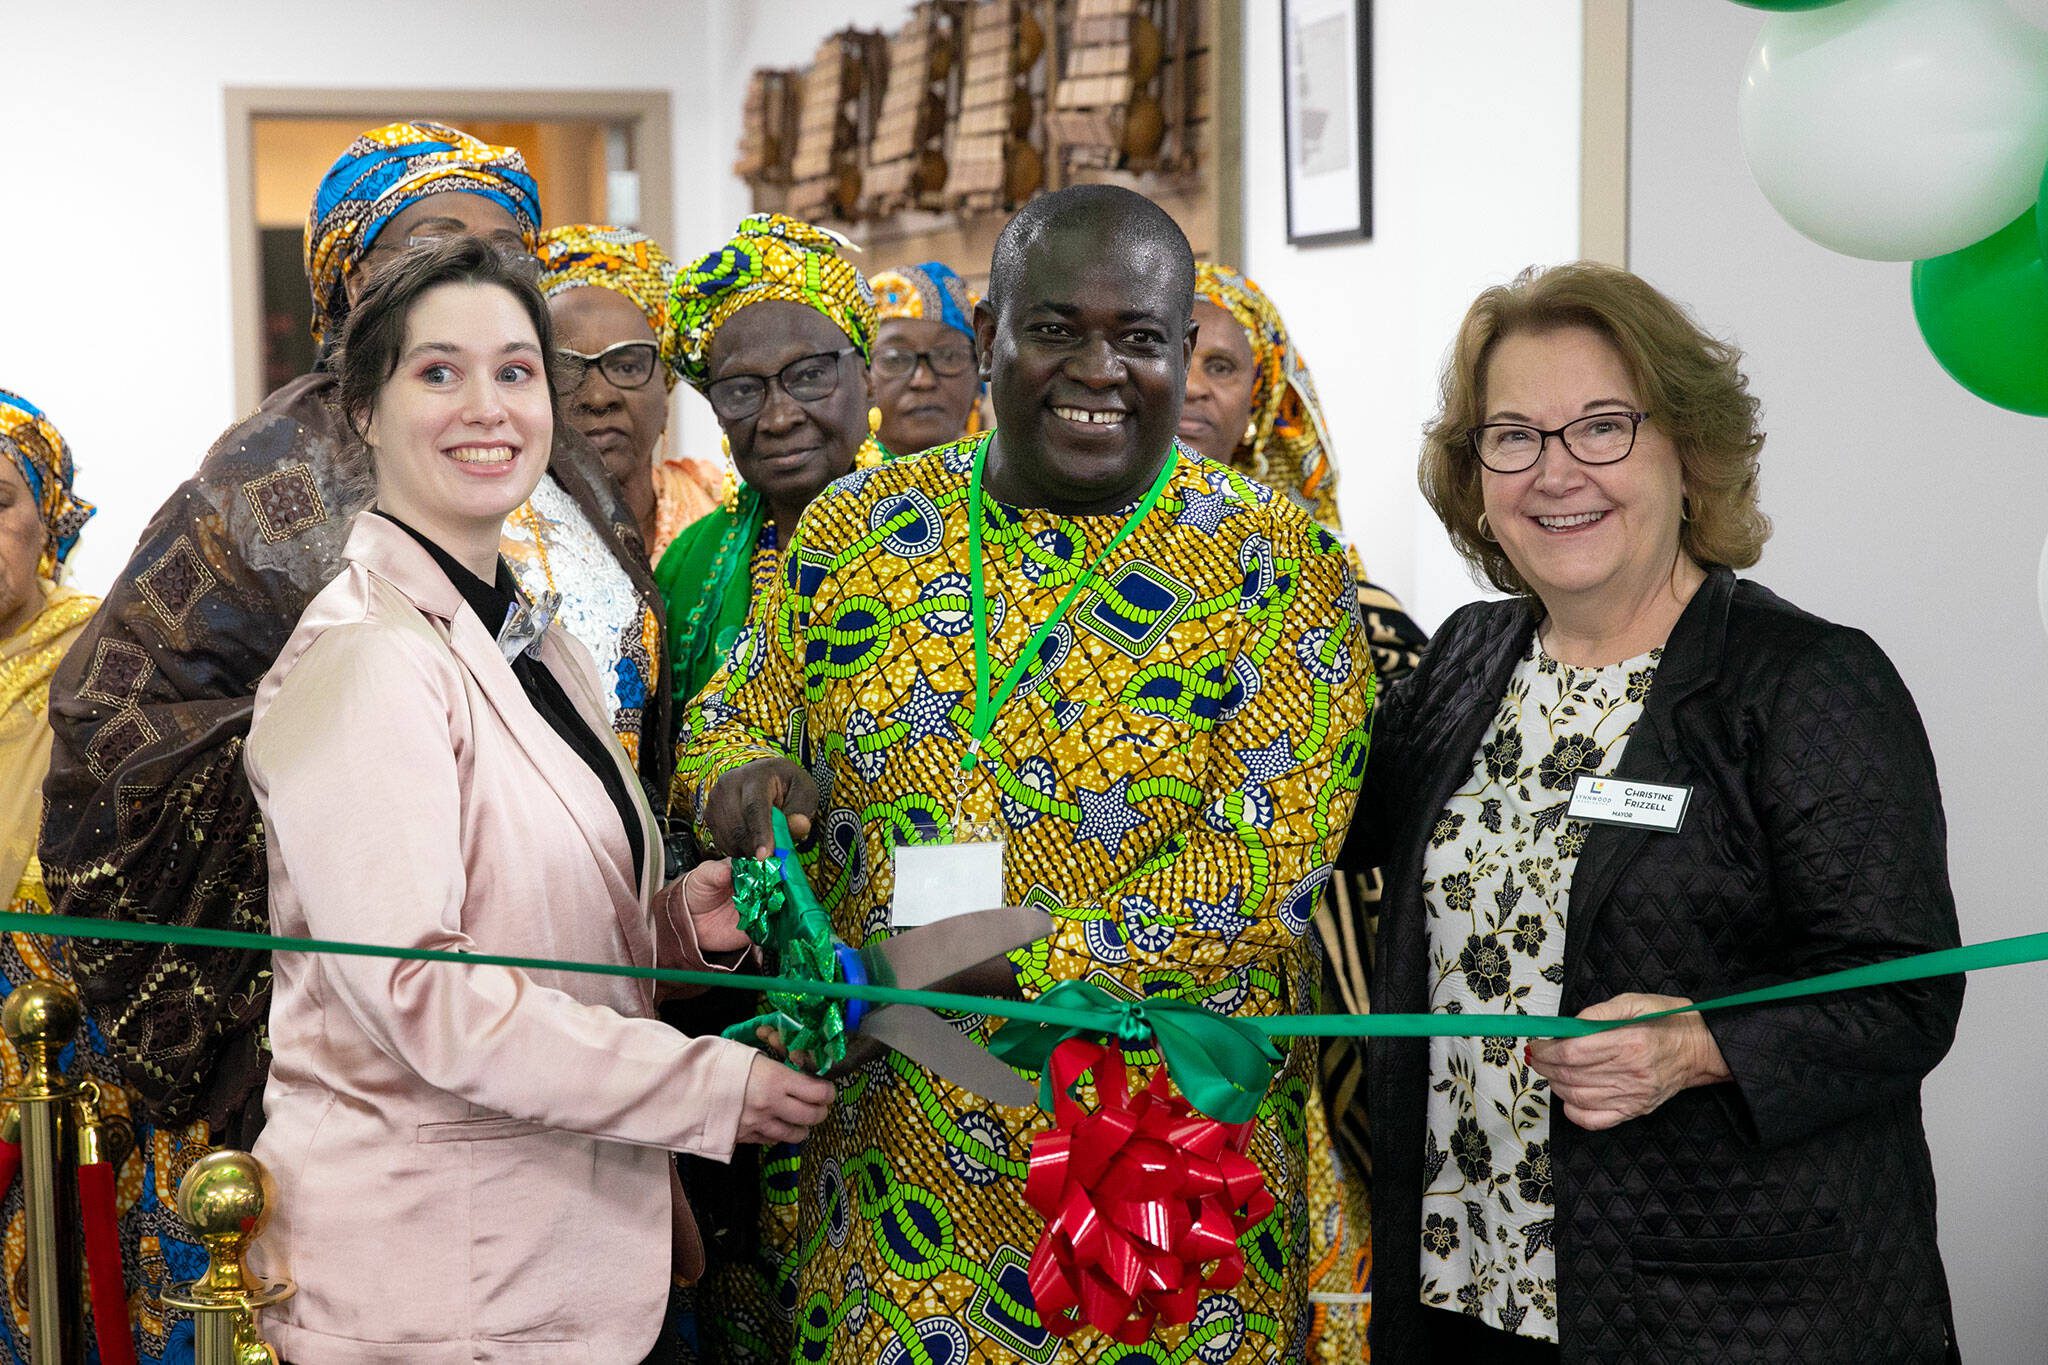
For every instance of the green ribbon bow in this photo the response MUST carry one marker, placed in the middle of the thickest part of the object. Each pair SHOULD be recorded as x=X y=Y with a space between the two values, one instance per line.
x=1222 y=1065
x=779 y=911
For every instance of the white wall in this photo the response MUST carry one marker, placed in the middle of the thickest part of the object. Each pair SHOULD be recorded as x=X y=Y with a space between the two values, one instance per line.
x=1908 y=508
x=113 y=235
x=1475 y=175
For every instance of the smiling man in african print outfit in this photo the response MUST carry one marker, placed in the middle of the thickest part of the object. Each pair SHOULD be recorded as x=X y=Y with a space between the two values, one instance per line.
x=1172 y=776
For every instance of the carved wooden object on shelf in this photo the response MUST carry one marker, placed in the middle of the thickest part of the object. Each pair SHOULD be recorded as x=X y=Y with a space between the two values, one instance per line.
x=907 y=154
x=1124 y=96
x=995 y=164
x=841 y=93
x=768 y=137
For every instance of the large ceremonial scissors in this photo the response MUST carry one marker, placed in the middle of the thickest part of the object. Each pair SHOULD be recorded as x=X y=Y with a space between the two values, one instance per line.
x=796 y=927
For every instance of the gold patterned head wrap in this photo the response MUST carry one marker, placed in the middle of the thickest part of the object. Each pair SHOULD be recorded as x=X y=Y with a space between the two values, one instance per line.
x=619 y=259
x=1288 y=444
x=39 y=452
x=771 y=257
x=386 y=171
x=929 y=291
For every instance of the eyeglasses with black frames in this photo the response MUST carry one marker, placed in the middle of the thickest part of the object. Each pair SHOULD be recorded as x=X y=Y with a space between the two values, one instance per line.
x=947 y=361
x=1597 y=438
x=806 y=379
x=626 y=364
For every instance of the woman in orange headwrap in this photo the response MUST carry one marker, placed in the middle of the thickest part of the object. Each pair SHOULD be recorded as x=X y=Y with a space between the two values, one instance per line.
x=1252 y=405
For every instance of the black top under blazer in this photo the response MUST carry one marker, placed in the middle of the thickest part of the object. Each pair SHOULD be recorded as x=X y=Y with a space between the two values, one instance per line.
x=1788 y=1215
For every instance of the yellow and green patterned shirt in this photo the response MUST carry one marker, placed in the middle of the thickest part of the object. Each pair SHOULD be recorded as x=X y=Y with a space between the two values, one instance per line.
x=1172 y=778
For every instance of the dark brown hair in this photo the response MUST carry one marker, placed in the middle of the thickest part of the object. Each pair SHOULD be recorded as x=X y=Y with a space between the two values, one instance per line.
x=1691 y=384
x=375 y=334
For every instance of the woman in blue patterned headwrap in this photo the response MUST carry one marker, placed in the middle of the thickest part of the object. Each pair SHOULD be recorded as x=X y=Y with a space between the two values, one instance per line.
x=150 y=814
x=386 y=192
x=926 y=382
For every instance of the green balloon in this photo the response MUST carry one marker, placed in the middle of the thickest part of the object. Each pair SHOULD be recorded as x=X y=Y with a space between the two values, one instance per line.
x=1983 y=311
x=1788 y=6
x=2041 y=214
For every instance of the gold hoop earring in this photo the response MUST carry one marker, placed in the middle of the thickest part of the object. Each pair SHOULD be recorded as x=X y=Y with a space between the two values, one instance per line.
x=730 y=499
x=1486 y=532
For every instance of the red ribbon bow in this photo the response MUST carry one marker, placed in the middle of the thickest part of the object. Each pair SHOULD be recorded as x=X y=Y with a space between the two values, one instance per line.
x=1138 y=1198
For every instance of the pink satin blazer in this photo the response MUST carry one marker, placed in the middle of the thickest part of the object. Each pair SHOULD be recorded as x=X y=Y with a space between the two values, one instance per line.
x=472 y=1162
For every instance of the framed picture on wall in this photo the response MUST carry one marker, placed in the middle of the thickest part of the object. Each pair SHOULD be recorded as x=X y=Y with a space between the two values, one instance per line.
x=1326 y=89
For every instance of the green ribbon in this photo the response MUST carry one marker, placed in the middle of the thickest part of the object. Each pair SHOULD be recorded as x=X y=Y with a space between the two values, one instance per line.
x=779 y=911
x=1193 y=1041
x=1222 y=1065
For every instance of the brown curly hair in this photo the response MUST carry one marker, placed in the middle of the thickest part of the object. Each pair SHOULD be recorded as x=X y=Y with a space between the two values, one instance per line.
x=1690 y=383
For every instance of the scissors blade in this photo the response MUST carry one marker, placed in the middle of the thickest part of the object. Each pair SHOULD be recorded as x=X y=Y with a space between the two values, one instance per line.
x=933 y=1043
x=915 y=958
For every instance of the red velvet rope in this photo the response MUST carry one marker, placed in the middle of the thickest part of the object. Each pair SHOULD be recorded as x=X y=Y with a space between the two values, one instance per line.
x=103 y=1264
x=1138 y=1198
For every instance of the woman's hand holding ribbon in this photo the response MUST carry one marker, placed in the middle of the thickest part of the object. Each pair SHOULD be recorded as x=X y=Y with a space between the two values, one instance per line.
x=1625 y=1073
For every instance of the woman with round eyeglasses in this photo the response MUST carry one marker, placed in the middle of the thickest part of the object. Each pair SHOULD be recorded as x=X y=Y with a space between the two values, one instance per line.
x=1638 y=782
x=926 y=383
x=774 y=329
x=607 y=291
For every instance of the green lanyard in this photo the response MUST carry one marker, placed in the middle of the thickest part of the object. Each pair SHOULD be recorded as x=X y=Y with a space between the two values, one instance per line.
x=985 y=705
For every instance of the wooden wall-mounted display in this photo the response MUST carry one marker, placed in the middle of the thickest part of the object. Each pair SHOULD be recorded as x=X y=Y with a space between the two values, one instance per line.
x=768 y=137
x=995 y=163
x=1105 y=107
x=1040 y=94
x=842 y=93
x=907 y=161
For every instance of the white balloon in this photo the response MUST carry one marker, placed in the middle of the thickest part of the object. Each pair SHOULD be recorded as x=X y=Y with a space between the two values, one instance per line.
x=1896 y=130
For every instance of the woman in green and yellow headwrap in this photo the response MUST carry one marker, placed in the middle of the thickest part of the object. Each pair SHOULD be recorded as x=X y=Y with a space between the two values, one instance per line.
x=775 y=329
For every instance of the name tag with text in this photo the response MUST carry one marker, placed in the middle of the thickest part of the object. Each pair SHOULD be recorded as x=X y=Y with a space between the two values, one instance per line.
x=1611 y=801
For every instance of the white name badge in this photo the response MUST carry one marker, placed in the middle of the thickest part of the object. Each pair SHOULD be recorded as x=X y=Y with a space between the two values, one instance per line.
x=1611 y=801
x=939 y=881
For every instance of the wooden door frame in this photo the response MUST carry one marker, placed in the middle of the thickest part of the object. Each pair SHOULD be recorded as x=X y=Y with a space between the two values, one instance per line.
x=646 y=110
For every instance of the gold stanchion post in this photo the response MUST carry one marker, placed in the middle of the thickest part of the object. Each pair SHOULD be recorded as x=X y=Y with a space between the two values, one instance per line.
x=224 y=1199
x=39 y=1018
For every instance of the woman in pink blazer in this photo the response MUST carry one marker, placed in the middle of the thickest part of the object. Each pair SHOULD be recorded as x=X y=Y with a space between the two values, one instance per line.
x=473 y=1163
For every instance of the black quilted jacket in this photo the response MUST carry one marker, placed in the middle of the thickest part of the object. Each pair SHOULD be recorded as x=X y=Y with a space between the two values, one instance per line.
x=1788 y=1215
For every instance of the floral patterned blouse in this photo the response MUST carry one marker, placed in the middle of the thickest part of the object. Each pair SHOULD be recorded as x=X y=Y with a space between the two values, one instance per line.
x=1496 y=890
